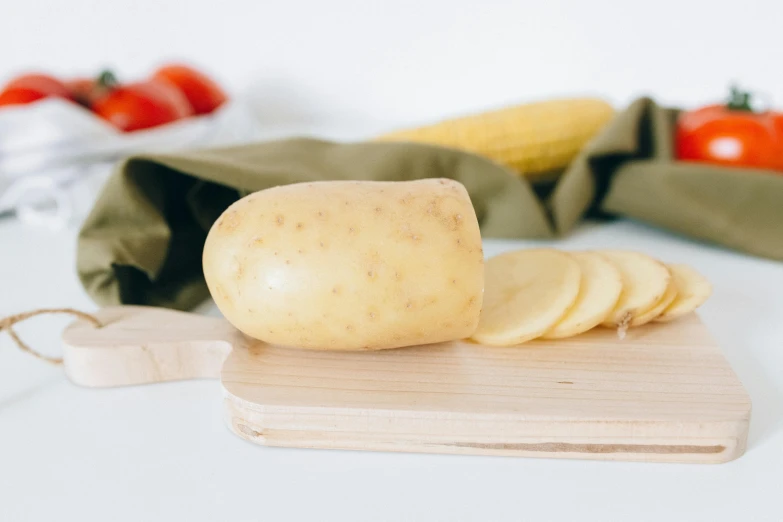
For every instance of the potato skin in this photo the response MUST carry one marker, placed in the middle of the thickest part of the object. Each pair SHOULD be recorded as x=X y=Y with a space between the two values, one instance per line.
x=349 y=265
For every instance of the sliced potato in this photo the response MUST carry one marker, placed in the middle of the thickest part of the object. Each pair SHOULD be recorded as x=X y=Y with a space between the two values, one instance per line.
x=668 y=297
x=599 y=290
x=693 y=289
x=525 y=293
x=645 y=281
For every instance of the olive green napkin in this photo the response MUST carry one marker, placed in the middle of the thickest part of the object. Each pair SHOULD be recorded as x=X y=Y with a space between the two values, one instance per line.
x=142 y=242
x=630 y=170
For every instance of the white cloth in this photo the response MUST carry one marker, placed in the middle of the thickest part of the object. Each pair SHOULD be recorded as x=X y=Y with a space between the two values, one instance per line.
x=54 y=154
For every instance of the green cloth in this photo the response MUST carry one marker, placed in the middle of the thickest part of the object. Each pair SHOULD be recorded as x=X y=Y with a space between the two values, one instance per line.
x=142 y=242
x=629 y=170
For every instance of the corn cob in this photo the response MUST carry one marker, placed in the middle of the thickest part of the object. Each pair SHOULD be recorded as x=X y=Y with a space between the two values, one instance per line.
x=531 y=139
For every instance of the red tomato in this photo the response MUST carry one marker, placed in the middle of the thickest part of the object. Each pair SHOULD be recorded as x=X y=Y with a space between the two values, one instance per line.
x=731 y=135
x=19 y=96
x=202 y=92
x=83 y=91
x=31 y=87
x=86 y=91
x=142 y=105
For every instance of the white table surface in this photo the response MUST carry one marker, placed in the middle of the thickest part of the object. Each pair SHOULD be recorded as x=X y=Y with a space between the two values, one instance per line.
x=161 y=452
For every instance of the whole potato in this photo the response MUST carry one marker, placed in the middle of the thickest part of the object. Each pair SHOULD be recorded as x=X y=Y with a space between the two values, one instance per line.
x=349 y=265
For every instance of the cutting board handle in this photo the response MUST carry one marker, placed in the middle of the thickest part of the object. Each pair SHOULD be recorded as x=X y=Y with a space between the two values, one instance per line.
x=142 y=344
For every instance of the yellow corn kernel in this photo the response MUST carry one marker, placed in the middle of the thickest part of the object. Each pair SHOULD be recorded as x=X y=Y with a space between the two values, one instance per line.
x=531 y=139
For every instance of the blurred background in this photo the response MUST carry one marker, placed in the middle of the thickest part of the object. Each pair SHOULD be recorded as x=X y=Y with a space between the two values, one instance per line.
x=348 y=68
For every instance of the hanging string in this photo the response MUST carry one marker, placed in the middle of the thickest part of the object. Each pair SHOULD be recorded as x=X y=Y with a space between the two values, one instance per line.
x=7 y=323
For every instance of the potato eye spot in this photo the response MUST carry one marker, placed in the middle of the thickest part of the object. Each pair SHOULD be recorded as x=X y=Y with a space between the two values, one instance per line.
x=229 y=221
x=279 y=219
x=299 y=226
x=221 y=292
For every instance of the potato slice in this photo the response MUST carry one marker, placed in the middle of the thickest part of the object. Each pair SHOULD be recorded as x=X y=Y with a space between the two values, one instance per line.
x=645 y=281
x=599 y=290
x=693 y=289
x=668 y=298
x=526 y=293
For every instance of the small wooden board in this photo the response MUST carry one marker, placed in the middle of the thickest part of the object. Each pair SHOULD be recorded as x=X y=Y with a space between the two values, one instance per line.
x=664 y=393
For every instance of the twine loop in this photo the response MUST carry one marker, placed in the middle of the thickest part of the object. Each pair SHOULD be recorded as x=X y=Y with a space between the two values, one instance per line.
x=7 y=323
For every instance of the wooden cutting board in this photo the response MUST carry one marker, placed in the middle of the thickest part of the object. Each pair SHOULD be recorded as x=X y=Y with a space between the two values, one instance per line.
x=664 y=393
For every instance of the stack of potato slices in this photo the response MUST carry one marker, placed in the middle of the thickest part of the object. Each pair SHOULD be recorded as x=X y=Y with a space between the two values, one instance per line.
x=552 y=294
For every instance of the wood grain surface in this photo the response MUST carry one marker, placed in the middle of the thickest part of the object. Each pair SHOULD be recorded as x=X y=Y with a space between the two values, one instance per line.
x=664 y=393
x=140 y=345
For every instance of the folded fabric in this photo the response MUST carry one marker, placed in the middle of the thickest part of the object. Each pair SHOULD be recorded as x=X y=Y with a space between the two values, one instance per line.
x=142 y=242
x=630 y=170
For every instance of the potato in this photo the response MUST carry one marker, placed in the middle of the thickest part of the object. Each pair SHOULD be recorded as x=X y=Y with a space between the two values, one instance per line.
x=599 y=291
x=349 y=265
x=660 y=306
x=693 y=289
x=645 y=281
x=527 y=292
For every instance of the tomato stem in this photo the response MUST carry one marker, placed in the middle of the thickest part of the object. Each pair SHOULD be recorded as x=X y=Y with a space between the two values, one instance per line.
x=739 y=100
x=107 y=80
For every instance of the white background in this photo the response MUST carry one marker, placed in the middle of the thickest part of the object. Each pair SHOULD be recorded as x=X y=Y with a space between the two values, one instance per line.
x=345 y=69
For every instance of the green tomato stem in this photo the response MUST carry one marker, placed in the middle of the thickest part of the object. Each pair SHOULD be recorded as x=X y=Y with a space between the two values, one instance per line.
x=739 y=100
